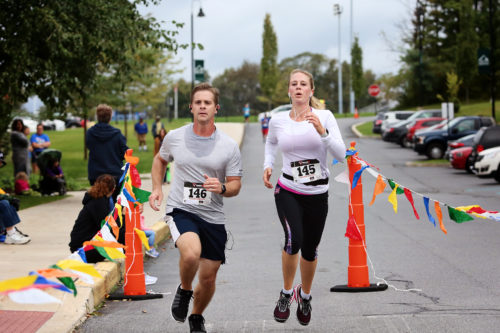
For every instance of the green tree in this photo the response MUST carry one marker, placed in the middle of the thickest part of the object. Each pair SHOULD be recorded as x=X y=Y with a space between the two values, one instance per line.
x=268 y=74
x=57 y=49
x=358 y=83
x=467 y=44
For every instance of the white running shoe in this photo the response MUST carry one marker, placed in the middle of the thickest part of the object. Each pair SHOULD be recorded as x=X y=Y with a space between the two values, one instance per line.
x=16 y=238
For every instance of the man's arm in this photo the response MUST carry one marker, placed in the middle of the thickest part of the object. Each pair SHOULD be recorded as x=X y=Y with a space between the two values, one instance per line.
x=157 y=172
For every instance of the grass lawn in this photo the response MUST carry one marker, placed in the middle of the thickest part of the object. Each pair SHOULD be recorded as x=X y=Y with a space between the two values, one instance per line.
x=30 y=201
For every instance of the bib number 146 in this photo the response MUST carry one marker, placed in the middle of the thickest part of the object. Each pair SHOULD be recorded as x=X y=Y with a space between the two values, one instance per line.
x=196 y=194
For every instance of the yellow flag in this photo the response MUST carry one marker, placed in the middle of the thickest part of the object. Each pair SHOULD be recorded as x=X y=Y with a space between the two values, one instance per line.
x=119 y=210
x=393 y=199
x=143 y=237
x=2 y=191
x=17 y=283
x=79 y=266
x=114 y=253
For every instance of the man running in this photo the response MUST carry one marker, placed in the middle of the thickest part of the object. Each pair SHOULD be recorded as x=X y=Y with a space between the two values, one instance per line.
x=207 y=168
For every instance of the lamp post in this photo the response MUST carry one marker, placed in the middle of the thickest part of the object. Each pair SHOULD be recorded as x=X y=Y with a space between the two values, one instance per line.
x=337 y=10
x=351 y=92
x=200 y=14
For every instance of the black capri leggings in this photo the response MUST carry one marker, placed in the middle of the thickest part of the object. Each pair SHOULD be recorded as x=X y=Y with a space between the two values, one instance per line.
x=303 y=219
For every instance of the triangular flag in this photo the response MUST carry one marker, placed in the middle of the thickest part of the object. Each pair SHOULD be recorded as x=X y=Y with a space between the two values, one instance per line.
x=114 y=253
x=67 y=281
x=125 y=171
x=141 y=195
x=112 y=223
x=439 y=215
x=142 y=237
x=392 y=184
x=17 y=283
x=118 y=209
x=79 y=267
x=379 y=188
x=134 y=176
x=393 y=199
x=54 y=273
x=357 y=174
x=458 y=216
x=40 y=280
x=426 y=204
x=343 y=177
x=409 y=196
x=352 y=230
x=104 y=244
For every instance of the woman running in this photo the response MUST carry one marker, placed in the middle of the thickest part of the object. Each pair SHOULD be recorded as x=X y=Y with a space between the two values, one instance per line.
x=304 y=135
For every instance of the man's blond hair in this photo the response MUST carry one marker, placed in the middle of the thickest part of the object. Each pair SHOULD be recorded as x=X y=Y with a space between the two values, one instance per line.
x=104 y=113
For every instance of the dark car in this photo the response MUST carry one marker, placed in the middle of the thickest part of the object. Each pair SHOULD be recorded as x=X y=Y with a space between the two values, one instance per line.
x=397 y=132
x=486 y=138
x=377 y=122
x=72 y=122
x=433 y=142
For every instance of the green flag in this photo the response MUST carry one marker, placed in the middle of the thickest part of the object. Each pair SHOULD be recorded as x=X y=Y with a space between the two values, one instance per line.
x=459 y=216
x=400 y=190
x=141 y=195
x=67 y=281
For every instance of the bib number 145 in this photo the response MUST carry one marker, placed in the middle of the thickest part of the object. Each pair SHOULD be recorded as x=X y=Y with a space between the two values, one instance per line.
x=306 y=171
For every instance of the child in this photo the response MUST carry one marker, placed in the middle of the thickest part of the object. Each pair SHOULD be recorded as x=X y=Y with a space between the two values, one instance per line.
x=21 y=185
x=54 y=179
x=150 y=234
x=97 y=204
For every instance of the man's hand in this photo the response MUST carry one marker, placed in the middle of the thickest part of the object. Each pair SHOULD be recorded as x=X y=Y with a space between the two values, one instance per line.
x=212 y=184
x=155 y=199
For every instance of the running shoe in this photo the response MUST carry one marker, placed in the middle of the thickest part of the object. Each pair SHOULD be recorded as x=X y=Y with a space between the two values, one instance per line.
x=153 y=253
x=16 y=238
x=180 y=304
x=304 y=308
x=197 y=324
x=282 y=309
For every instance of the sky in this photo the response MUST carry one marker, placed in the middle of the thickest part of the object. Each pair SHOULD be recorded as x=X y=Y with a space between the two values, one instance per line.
x=231 y=31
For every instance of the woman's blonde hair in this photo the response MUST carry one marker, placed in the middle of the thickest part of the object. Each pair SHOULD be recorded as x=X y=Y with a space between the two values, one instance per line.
x=22 y=175
x=313 y=101
x=103 y=185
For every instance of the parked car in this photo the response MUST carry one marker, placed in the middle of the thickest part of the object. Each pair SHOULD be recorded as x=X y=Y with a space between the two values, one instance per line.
x=433 y=142
x=281 y=108
x=397 y=132
x=486 y=137
x=72 y=122
x=392 y=117
x=458 y=158
x=414 y=116
x=419 y=124
x=488 y=163
x=377 y=122
x=466 y=141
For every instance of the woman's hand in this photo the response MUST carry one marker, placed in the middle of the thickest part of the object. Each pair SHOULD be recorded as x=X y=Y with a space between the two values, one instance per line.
x=267 y=175
x=313 y=119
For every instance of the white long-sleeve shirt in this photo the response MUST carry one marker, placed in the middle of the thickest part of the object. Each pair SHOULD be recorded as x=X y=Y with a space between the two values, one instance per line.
x=300 y=141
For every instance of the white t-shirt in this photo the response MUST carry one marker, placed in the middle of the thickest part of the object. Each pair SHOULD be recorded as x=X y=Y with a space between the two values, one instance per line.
x=216 y=156
x=300 y=141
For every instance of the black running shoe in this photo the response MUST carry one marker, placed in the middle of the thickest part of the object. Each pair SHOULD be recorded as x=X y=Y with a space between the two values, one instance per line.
x=303 y=309
x=282 y=309
x=196 y=324
x=180 y=304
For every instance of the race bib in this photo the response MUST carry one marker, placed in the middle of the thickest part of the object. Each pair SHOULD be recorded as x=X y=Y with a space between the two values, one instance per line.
x=306 y=171
x=196 y=194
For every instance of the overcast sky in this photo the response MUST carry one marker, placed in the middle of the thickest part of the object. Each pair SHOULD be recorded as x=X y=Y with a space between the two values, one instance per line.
x=231 y=30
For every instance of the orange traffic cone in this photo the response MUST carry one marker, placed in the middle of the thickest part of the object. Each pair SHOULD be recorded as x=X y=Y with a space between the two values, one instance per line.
x=356 y=115
x=357 y=272
x=135 y=283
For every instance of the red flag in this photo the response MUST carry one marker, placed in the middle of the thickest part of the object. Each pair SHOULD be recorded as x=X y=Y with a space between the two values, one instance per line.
x=352 y=230
x=134 y=176
x=410 y=199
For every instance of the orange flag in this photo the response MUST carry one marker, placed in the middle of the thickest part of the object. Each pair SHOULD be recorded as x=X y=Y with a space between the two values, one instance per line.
x=54 y=273
x=111 y=221
x=439 y=215
x=379 y=188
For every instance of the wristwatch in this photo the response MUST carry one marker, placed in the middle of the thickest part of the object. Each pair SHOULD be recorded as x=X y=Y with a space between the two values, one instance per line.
x=223 y=189
x=324 y=135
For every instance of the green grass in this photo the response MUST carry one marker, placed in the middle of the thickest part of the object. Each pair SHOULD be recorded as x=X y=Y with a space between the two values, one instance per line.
x=30 y=201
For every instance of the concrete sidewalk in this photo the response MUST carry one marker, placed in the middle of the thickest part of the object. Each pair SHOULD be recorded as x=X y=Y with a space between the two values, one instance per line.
x=49 y=227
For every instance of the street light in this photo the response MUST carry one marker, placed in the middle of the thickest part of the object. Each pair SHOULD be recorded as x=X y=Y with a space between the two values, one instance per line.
x=337 y=10
x=351 y=92
x=200 y=14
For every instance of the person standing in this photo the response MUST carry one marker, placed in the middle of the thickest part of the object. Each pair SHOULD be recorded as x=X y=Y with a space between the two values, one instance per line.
x=107 y=147
x=20 y=151
x=207 y=168
x=246 y=112
x=39 y=142
x=156 y=127
x=304 y=135
x=141 y=128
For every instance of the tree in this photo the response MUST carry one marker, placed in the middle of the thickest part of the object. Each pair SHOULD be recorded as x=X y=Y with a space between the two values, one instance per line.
x=57 y=49
x=358 y=84
x=268 y=74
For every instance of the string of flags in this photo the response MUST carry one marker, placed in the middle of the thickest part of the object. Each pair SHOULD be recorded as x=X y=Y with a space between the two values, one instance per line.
x=62 y=276
x=458 y=214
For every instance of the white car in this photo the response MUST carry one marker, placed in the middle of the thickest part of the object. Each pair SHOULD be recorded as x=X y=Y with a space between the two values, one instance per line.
x=488 y=163
x=281 y=108
x=393 y=117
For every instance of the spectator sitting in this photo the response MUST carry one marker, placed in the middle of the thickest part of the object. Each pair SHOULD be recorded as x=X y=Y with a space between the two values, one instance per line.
x=97 y=204
x=53 y=180
x=22 y=186
x=150 y=234
x=9 y=234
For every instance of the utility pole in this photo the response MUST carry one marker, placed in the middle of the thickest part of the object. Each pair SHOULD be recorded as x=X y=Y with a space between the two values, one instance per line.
x=337 y=10
x=351 y=92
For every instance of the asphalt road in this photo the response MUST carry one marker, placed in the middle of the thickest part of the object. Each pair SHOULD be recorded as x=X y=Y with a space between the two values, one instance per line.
x=456 y=274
